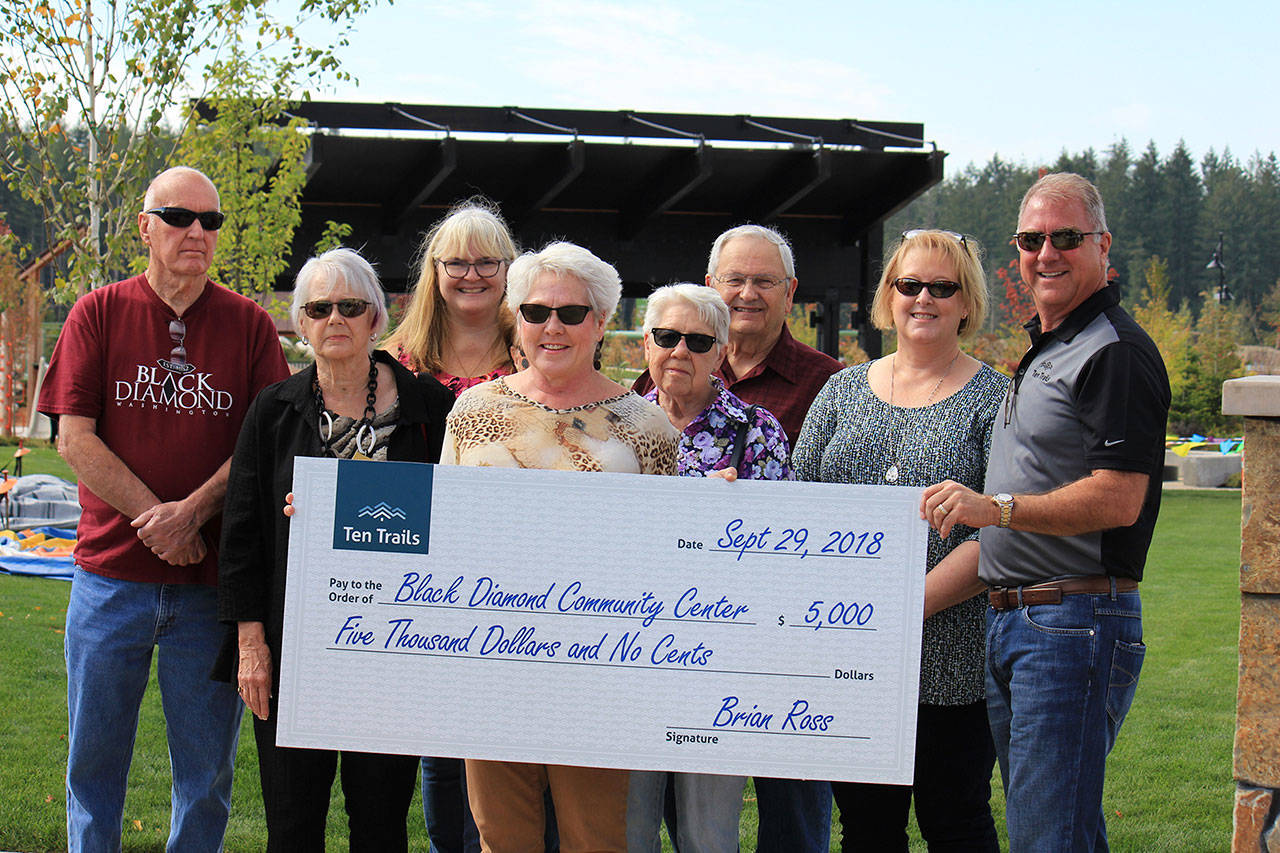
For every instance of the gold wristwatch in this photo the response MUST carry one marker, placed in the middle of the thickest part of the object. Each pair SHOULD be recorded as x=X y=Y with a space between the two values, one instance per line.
x=1004 y=500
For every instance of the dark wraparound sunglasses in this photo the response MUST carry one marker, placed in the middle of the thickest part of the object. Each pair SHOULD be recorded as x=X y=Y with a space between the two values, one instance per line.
x=322 y=308
x=180 y=217
x=670 y=339
x=1064 y=239
x=940 y=289
x=570 y=315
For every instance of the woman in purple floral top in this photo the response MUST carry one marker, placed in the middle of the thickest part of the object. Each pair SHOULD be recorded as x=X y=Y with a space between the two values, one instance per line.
x=686 y=328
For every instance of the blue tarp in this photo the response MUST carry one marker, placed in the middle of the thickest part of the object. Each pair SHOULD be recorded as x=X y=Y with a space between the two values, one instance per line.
x=34 y=564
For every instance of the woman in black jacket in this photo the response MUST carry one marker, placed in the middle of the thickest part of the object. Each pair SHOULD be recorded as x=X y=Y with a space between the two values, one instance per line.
x=353 y=403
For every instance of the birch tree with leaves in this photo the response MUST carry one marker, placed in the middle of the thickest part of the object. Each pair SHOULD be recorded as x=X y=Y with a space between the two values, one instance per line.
x=90 y=88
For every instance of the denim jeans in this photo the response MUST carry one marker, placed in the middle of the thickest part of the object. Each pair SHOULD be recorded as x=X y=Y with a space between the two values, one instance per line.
x=707 y=807
x=1060 y=679
x=450 y=826
x=951 y=790
x=795 y=816
x=112 y=627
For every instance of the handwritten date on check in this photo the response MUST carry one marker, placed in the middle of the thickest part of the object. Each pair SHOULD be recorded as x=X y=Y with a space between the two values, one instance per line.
x=609 y=620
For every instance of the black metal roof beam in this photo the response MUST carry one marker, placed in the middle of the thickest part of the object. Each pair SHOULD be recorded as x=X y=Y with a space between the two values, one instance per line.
x=789 y=186
x=901 y=183
x=680 y=173
x=609 y=123
x=565 y=169
x=424 y=179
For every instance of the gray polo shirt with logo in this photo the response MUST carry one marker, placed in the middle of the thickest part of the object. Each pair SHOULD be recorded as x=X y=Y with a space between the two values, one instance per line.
x=1090 y=394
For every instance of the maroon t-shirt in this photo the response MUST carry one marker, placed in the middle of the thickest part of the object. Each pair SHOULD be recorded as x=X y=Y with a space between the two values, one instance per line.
x=172 y=424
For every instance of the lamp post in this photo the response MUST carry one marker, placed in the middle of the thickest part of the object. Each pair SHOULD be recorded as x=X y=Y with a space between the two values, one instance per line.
x=1215 y=263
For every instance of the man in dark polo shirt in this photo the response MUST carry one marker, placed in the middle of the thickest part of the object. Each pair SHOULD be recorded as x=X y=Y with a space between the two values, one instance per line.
x=753 y=270
x=1074 y=489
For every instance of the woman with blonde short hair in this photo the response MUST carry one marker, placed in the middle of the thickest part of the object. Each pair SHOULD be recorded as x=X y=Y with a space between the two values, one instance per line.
x=914 y=418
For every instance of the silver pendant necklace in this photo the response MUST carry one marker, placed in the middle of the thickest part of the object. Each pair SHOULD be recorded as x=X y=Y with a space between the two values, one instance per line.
x=891 y=473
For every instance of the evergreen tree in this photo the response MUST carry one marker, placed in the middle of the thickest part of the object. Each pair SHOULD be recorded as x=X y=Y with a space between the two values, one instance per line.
x=1183 y=197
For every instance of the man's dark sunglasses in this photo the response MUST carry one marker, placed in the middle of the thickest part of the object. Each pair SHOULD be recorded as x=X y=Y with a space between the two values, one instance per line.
x=670 y=339
x=320 y=309
x=940 y=289
x=1064 y=239
x=570 y=315
x=180 y=217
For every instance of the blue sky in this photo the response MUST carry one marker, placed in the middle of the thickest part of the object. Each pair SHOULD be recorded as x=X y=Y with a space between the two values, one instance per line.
x=1024 y=79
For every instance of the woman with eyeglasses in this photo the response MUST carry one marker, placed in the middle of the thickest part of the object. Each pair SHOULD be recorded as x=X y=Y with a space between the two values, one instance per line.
x=459 y=329
x=686 y=328
x=457 y=326
x=923 y=414
x=560 y=413
x=353 y=403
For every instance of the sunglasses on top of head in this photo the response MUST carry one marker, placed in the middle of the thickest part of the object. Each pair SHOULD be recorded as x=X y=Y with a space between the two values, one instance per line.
x=181 y=217
x=940 y=289
x=320 y=309
x=1064 y=239
x=570 y=315
x=954 y=235
x=670 y=339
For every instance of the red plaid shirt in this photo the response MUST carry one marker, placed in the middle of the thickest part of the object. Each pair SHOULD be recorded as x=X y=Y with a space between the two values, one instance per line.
x=785 y=383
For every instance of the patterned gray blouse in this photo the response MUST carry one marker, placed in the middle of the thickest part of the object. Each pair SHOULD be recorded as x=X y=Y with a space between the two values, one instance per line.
x=852 y=436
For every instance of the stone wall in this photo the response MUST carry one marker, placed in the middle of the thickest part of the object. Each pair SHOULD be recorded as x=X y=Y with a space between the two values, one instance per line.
x=1256 y=758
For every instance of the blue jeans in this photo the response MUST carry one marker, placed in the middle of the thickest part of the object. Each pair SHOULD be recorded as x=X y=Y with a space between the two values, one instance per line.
x=112 y=627
x=450 y=826
x=1060 y=679
x=707 y=807
x=795 y=816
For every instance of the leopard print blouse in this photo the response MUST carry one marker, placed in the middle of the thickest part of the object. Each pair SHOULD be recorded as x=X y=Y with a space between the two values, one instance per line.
x=495 y=426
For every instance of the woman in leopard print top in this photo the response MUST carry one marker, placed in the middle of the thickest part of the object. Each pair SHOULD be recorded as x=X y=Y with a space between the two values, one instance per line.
x=559 y=413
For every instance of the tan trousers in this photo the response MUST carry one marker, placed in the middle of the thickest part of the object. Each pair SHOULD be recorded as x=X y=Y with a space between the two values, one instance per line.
x=506 y=801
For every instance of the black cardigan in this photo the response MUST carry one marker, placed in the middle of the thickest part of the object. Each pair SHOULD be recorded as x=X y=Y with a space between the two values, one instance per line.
x=282 y=423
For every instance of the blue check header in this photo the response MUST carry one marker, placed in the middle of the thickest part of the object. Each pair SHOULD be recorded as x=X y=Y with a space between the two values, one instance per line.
x=382 y=506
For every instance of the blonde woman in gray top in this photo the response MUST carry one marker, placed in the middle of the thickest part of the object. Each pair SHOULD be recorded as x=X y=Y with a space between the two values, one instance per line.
x=915 y=417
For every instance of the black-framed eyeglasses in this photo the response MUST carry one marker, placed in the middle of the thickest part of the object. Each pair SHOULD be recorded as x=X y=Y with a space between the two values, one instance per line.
x=181 y=217
x=670 y=339
x=954 y=235
x=485 y=267
x=178 y=336
x=570 y=315
x=320 y=309
x=736 y=281
x=940 y=289
x=1063 y=239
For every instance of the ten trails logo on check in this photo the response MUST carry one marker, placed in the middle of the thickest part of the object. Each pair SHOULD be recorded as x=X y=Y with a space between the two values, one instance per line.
x=382 y=506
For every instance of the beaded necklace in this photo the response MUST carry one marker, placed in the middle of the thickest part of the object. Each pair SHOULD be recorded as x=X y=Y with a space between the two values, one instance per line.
x=364 y=431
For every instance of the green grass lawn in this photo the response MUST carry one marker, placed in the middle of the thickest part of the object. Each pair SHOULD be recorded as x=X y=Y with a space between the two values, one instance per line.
x=1169 y=783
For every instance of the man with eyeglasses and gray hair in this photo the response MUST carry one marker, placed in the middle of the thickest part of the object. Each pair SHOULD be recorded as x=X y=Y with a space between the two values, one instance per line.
x=148 y=385
x=1073 y=490
x=753 y=270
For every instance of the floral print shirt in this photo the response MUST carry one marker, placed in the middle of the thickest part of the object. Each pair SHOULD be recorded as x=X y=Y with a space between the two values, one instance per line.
x=707 y=443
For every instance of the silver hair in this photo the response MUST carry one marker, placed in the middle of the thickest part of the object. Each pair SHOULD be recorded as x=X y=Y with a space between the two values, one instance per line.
x=711 y=308
x=604 y=287
x=759 y=232
x=1068 y=187
x=348 y=266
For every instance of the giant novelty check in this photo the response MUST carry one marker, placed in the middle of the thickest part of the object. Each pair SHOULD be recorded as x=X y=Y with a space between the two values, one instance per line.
x=608 y=620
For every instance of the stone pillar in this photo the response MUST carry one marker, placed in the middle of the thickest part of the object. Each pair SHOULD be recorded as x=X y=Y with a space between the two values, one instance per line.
x=1256 y=760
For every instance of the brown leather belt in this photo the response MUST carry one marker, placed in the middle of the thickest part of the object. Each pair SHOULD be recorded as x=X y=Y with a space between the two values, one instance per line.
x=1013 y=597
